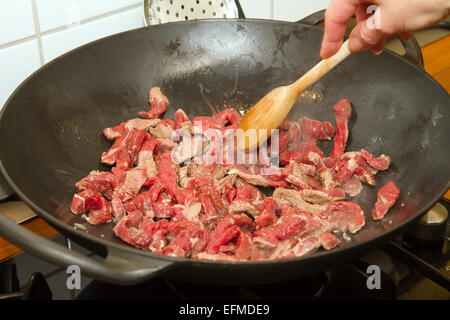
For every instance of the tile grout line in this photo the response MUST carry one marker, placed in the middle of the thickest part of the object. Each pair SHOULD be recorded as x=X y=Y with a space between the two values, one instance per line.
x=65 y=27
x=17 y=42
x=37 y=27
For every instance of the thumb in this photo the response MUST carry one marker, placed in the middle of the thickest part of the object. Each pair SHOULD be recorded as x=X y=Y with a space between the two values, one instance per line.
x=366 y=35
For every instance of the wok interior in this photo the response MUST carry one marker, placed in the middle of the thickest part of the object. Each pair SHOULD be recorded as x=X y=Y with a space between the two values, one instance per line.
x=51 y=127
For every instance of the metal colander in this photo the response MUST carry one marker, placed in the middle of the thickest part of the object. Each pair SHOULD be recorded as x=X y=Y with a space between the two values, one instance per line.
x=162 y=11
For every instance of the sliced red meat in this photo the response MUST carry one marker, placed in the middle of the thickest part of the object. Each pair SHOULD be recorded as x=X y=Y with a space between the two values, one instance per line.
x=100 y=215
x=145 y=158
x=243 y=206
x=180 y=117
x=306 y=246
x=288 y=226
x=343 y=112
x=243 y=246
x=142 y=202
x=218 y=213
x=315 y=130
x=344 y=215
x=345 y=168
x=265 y=219
x=380 y=163
x=134 y=145
x=207 y=206
x=158 y=102
x=292 y=130
x=266 y=238
x=329 y=240
x=131 y=184
x=139 y=124
x=352 y=187
x=118 y=209
x=98 y=181
x=120 y=146
x=228 y=118
x=114 y=132
x=365 y=172
x=206 y=123
x=218 y=239
x=167 y=173
x=86 y=201
x=150 y=234
x=387 y=196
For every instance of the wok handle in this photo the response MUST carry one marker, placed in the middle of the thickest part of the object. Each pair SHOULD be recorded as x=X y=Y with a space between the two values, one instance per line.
x=413 y=53
x=5 y=190
x=119 y=267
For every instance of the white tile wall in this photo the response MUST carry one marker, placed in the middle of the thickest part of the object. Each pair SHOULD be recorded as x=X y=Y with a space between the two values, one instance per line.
x=33 y=32
x=16 y=63
x=294 y=10
x=57 y=43
x=258 y=9
x=16 y=20
x=57 y=13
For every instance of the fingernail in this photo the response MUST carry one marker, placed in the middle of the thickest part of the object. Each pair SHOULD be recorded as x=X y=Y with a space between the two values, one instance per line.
x=377 y=53
x=355 y=44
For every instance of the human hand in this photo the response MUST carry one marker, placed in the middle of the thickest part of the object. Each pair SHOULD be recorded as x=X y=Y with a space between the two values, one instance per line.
x=377 y=20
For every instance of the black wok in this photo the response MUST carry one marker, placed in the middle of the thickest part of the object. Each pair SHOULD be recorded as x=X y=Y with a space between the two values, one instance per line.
x=51 y=136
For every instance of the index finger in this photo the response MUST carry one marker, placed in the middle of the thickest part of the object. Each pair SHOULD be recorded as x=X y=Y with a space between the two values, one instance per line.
x=337 y=15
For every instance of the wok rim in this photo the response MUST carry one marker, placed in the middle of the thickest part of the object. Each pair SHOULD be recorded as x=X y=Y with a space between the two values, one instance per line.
x=337 y=252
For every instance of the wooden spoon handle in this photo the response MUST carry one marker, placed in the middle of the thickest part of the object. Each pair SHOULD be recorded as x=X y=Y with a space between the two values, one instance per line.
x=320 y=69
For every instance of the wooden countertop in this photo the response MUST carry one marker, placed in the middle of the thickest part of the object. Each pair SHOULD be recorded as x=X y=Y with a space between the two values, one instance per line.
x=436 y=57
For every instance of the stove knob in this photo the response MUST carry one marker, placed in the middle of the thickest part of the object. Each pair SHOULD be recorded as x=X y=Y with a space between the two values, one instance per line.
x=432 y=226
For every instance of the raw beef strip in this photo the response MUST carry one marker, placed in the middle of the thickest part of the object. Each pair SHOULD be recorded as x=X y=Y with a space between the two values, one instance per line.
x=101 y=215
x=131 y=184
x=243 y=206
x=139 y=124
x=289 y=225
x=120 y=146
x=343 y=112
x=306 y=246
x=89 y=201
x=365 y=172
x=387 y=196
x=380 y=163
x=134 y=145
x=265 y=219
x=328 y=240
x=145 y=158
x=158 y=102
x=326 y=178
x=345 y=169
x=98 y=181
x=243 y=246
x=221 y=236
x=294 y=198
x=319 y=197
x=180 y=117
x=229 y=118
x=167 y=173
x=258 y=180
x=206 y=123
x=343 y=215
x=86 y=201
x=315 y=130
x=118 y=209
x=352 y=187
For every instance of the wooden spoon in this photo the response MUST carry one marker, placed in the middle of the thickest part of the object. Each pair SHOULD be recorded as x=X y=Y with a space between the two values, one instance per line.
x=271 y=110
